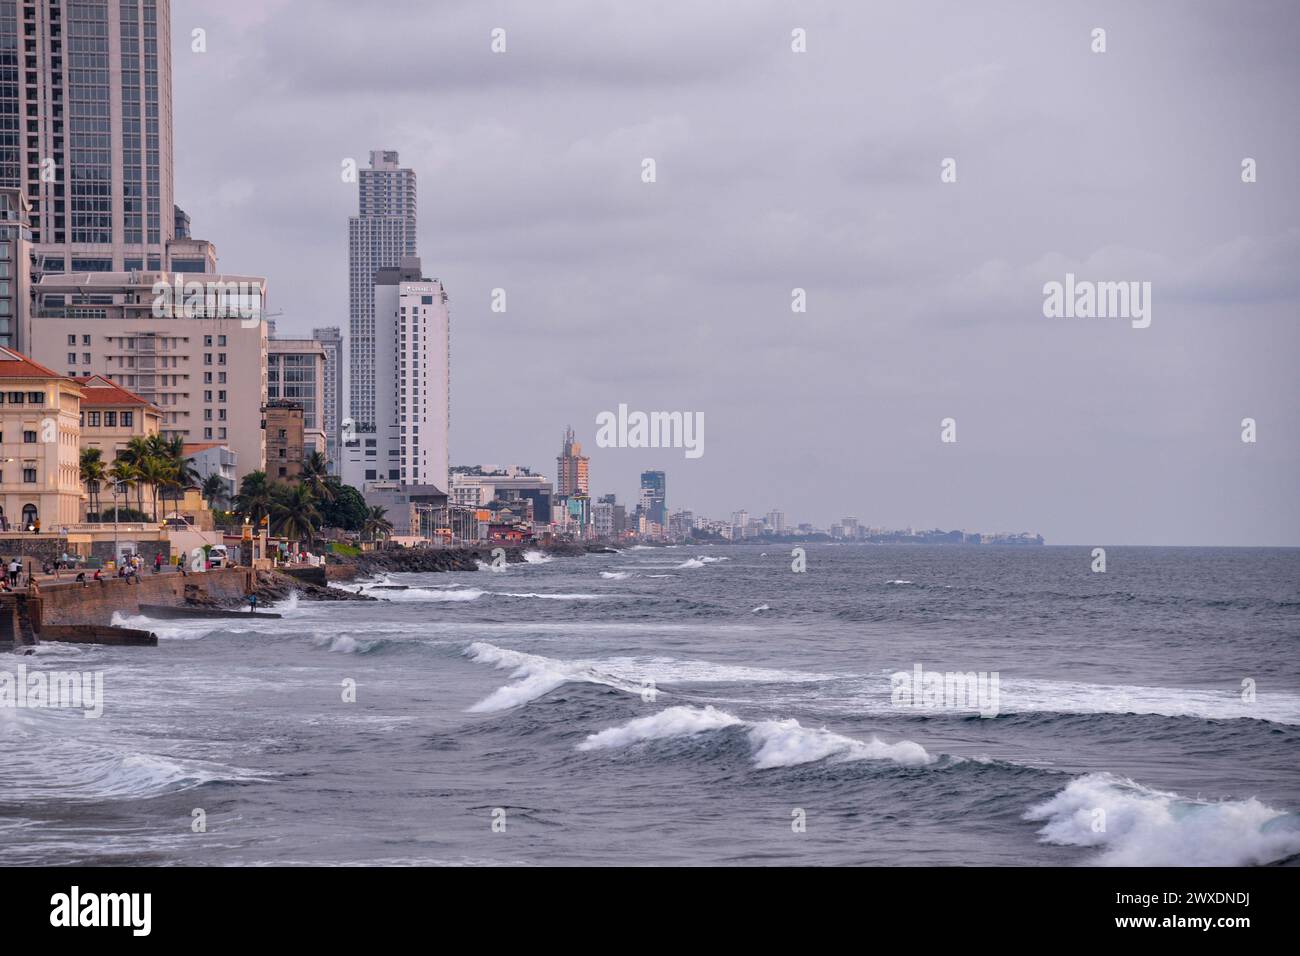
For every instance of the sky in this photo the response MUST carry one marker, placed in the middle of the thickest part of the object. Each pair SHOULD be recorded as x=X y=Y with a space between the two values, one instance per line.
x=821 y=170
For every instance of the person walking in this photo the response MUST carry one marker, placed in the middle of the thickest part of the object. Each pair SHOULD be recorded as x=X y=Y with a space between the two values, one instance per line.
x=157 y=562
x=14 y=569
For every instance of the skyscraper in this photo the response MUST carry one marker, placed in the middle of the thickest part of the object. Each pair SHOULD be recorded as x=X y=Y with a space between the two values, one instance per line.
x=86 y=129
x=412 y=407
x=571 y=467
x=331 y=340
x=379 y=237
x=653 y=496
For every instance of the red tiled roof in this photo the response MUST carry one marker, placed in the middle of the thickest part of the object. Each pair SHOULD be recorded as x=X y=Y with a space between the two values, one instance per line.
x=198 y=446
x=16 y=365
x=97 y=390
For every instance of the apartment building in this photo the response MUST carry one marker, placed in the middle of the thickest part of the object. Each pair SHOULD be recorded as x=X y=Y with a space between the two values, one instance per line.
x=40 y=472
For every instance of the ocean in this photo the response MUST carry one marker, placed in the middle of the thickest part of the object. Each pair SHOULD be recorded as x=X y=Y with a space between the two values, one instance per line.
x=698 y=706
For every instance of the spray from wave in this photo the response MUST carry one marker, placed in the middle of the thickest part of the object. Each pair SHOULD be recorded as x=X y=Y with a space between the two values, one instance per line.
x=1134 y=825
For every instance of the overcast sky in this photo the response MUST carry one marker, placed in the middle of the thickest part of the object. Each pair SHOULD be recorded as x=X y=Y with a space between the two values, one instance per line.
x=821 y=171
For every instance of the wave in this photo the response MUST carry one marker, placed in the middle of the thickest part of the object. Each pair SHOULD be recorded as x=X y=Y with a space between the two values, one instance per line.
x=701 y=561
x=538 y=675
x=535 y=676
x=537 y=557
x=615 y=575
x=1134 y=825
x=761 y=607
x=775 y=743
x=490 y=566
x=899 y=581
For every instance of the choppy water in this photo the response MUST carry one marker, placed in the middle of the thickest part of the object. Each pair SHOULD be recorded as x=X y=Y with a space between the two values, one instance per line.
x=527 y=691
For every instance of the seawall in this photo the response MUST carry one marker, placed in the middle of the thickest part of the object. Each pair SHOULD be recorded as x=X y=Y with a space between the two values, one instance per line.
x=95 y=603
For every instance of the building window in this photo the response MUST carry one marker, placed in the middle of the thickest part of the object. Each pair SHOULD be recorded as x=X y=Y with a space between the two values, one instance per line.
x=29 y=477
x=72 y=358
x=127 y=419
x=110 y=419
x=72 y=340
x=29 y=438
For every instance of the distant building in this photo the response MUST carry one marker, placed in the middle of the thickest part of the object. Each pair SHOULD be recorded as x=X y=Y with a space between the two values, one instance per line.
x=776 y=521
x=412 y=509
x=480 y=487
x=408 y=441
x=654 y=486
x=571 y=467
x=331 y=340
x=380 y=236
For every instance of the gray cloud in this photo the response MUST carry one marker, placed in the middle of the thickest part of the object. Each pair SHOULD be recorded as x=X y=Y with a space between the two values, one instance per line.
x=818 y=171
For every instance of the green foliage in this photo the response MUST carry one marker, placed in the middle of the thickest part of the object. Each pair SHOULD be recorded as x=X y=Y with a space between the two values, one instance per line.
x=347 y=511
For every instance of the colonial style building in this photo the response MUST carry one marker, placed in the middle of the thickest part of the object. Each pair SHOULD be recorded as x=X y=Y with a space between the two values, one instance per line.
x=111 y=416
x=40 y=476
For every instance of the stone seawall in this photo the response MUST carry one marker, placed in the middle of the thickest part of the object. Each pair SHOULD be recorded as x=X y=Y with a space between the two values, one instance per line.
x=95 y=603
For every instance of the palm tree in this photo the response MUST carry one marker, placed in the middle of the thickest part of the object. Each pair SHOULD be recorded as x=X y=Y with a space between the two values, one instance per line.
x=135 y=452
x=315 y=475
x=92 y=473
x=293 y=512
x=254 y=498
x=123 y=475
x=214 y=490
x=153 y=471
x=376 y=524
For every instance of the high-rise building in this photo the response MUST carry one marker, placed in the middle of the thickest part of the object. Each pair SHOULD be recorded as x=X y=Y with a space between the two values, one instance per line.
x=571 y=467
x=15 y=268
x=201 y=360
x=776 y=521
x=653 y=496
x=86 y=129
x=408 y=442
x=379 y=237
x=331 y=340
x=295 y=372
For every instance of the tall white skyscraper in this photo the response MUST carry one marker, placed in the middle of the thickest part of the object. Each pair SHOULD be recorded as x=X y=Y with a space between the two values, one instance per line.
x=379 y=237
x=413 y=400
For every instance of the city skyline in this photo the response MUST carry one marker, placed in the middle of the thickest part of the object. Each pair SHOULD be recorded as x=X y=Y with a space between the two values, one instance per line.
x=924 y=297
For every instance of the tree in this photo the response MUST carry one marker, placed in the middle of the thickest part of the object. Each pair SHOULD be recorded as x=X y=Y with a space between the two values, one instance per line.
x=154 y=471
x=293 y=512
x=123 y=475
x=345 y=509
x=135 y=452
x=376 y=524
x=254 y=499
x=214 y=490
x=315 y=475
x=93 y=473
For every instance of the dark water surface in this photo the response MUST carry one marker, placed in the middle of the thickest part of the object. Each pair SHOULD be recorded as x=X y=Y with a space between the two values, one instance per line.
x=651 y=707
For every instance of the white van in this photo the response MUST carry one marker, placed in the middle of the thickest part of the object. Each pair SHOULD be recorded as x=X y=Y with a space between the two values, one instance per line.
x=218 y=557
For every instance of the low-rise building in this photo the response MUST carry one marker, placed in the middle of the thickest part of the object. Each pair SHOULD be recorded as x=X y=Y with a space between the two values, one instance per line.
x=111 y=416
x=40 y=471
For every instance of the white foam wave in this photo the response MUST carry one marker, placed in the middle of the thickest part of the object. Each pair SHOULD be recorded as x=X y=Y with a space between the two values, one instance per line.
x=1134 y=825
x=540 y=675
x=761 y=607
x=700 y=561
x=899 y=581
x=537 y=557
x=490 y=566
x=775 y=743
x=614 y=575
